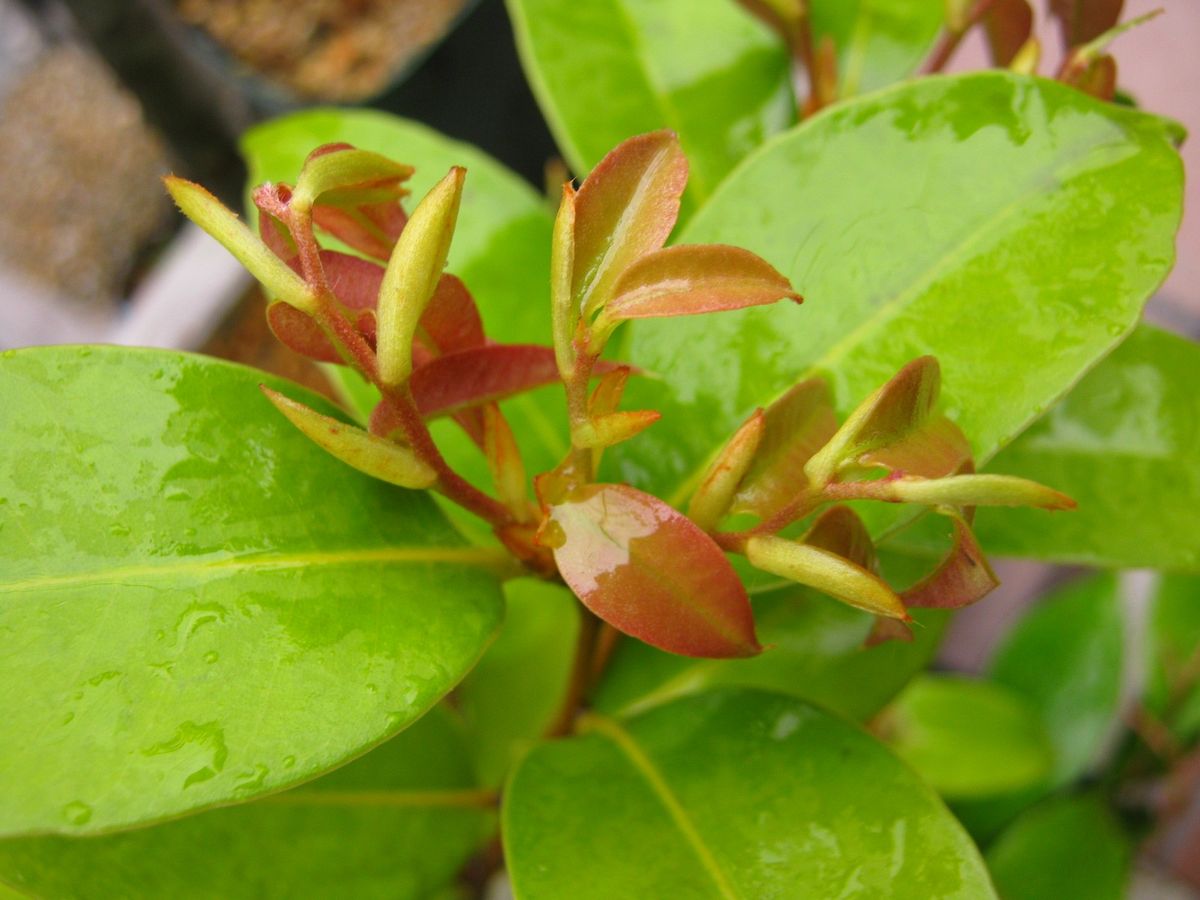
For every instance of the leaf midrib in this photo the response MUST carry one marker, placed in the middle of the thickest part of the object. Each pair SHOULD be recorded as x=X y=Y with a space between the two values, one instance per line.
x=483 y=557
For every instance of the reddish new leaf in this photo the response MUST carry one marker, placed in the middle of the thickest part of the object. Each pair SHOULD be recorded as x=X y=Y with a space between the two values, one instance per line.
x=625 y=209
x=650 y=572
x=797 y=425
x=270 y=200
x=695 y=278
x=298 y=332
x=712 y=499
x=607 y=396
x=372 y=230
x=353 y=280
x=451 y=321
x=1083 y=20
x=1008 y=25
x=937 y=449
x=839 y=530
x=960 y=579
x=1096 y=77
x=468 y=378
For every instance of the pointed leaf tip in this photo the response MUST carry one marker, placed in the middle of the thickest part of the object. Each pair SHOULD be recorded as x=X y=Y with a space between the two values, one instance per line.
x=963 y=577
x=649 y=571
x=371 y=455
x=608 y=430
x=976 y=490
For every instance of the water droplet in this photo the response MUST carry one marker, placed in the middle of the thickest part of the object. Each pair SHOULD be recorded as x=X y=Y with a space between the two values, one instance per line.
x=103 y=677
x=118 y=530
x=67 y=718
x=252 y=781
x=211 y=656
x=196 y=617
x=77 y=813
x=289 y=761
x=552 y=535
x=372 y=689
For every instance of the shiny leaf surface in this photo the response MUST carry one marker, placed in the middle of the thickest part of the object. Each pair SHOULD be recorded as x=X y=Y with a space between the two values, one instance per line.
x=625 y=209
x=511 y=698
x=1014 y=229
x=968 y=739
x=603 y=71
x=397 y=823
x=1065 y=658
x=480 y=375
x=650 y=572
x=816 y=651
x=1126 y=445
x=696 y=278
x=196 y=597
x=878 y=41
x=1065 y=847
x=730 y=794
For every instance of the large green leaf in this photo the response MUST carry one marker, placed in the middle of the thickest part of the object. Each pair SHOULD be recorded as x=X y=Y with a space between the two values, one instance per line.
x=815 y=650
x=197 y=604
x=1126 y=445
x=1065 y=847
x=1173 y=685
x=609 y=69
x=398 y=823
x=1065 y=658
x=511 y=698
x=730 y=794
x=501 y=249
x=969 y=739
x=878 y=41
x=1008 y=225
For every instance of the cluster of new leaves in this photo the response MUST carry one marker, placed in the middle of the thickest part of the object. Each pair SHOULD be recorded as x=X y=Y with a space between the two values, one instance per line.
x=1008 y=26
x=639 y=564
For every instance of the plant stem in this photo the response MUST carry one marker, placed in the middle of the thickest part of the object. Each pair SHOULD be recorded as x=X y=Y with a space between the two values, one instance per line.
x=581 y=675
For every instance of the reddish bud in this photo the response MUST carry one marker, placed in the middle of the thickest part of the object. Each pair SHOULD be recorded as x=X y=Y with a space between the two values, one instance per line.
x=1008 y=25
x=712 y=499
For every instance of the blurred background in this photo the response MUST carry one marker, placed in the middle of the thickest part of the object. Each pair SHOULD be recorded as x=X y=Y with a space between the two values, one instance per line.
x=99 y=98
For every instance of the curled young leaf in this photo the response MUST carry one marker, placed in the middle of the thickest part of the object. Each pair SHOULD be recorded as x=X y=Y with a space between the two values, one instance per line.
x=695 y=278
x=300 y=333
x=839 y=530
x=797 y=425
x=608 y=430
x=937 y=449
x=1008 y=24
x=413 y=273
x=886 y=417
x=607 y=396
x=458 y=381
x=712 y=499
x=1096 y=77
x=341 y=175
x=451 y=321
x=625 y=209
x=961 y=578
x=208 y=212
x=270 y=200
x=369 y=454
x=973 y=490
x=650 y=572
x=564 y=309
x=827 y=572
x=504 y=461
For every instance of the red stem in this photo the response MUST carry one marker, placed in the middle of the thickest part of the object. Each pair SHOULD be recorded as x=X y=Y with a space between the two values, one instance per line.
x=949 y=40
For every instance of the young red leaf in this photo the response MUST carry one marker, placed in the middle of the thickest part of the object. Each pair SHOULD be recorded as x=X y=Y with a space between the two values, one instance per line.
x=695 y=278
x=600 y=432
x=270 y=198
x=481 y=375
x=607 y=396
x=885 y=418
x=563 y=305
x=372 y=230
x=354 y=281
x=839 y=530
x=342 y=176
x=1096 y=77
x=298 y=332
x=1008 y=25
x=451 y=321
x=960 y=579
x=796 y=425
x=504 y=461
x=650 y=572
x=625 y=209
x=936 y=449
x=712 y=499
x=1084 y=20
x=827 y=572
x=372 y=455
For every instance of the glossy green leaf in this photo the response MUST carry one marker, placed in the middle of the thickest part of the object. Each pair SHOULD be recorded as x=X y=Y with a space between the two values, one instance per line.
x=649 y=571
x=1065 y=658
x=878 y=41
x=1173 y=688
x=397 y=824
x=968 y=738
x=197 y=599
x=1006 y=225
x=511 y=698
x=730 y=794
x=815 y=650
x=603 y=71
x=1125 y=445
x=1065 y=847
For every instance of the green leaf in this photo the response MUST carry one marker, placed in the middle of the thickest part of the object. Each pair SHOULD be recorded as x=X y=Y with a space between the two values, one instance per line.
x=1172 y=692
x=878 y=41
x=814 y=651
x=398 y=823
x=1064 y=658
x=730 y=794
x=1124 y=445
x=603 y=71
x=198 y=605
x=1065 y=847
x=511 y=698
x=501 y=250
x=969 y=739
x=1006 y=225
